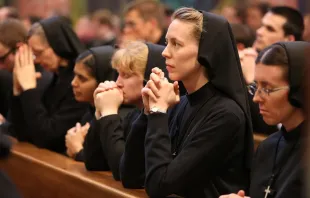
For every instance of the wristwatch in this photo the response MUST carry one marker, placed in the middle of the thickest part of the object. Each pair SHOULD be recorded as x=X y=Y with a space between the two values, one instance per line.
x=156 y=110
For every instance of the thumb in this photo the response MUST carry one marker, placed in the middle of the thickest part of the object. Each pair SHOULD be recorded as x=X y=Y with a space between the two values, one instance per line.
x=241 y=193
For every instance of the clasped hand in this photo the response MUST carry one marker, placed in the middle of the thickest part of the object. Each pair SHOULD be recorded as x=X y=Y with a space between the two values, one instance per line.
x=107 y=98
x=24 y=74
x=159 y=93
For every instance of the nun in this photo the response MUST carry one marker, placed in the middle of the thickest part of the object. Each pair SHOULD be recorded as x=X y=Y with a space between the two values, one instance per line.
x=45 y=120
x=278 y=170
x=203 y=146
x=92 y=67
x=134 y=64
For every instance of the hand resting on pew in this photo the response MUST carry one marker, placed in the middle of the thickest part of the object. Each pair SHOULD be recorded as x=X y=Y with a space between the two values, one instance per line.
x=75 y=138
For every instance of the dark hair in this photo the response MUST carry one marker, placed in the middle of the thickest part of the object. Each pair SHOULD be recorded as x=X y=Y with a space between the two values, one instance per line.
x=88 y=59
x=263 y=7
x=12 y=31
x=294 y=21
x=148 y=9
x=104 y=17
x=243 y=34
x=34 y=19
x=274 y=55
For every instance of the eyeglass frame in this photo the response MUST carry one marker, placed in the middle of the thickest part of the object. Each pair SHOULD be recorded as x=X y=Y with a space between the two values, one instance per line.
x=5 y=56
x=265 y=90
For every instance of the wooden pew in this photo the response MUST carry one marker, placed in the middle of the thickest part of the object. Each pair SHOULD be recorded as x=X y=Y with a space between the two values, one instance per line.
x=45 y=174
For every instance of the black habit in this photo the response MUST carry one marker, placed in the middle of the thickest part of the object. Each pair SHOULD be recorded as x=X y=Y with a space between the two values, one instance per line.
x=112 y=130
x=278 y=160
x=209 y=150
x=100 y=66
x=45 y=120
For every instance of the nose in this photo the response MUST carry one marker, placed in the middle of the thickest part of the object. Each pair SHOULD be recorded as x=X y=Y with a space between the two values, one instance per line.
x=259 y=31
x=74 y=82
x=257 y=98
x=166 y=53
x=119 y=82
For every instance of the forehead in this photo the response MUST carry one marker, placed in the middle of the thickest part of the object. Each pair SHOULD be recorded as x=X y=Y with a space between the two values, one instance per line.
x=82 y=69
x=36 y=43
x=180 y=30
x=274 y=20
x=271 y=74
x=133 y=15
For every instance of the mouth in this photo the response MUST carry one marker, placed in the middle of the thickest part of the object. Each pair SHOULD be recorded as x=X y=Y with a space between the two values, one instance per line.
x=76 y=93
x=263 y=111
x=169 y=67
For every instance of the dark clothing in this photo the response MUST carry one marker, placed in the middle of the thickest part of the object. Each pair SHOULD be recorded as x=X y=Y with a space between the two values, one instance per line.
x=104 y=143
x=62 y=38
x=132 y=165
x=280 y=154
x=7 y=188
x=45 y=121
x=6 y=87
x=206 y=154
x=162 y=39
x=6 y=84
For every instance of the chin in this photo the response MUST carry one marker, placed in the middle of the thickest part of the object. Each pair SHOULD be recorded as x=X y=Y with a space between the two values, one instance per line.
x=270 y=121
x=174 y=77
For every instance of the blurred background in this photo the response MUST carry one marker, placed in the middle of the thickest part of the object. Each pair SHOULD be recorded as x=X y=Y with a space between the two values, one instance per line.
x=77 y=8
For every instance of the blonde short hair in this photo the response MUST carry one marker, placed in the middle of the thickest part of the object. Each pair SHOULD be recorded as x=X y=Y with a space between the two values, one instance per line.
x=193 y=16
x=132 y=59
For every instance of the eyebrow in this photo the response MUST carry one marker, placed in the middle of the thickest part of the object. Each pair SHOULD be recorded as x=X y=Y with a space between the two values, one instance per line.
x=174 y=39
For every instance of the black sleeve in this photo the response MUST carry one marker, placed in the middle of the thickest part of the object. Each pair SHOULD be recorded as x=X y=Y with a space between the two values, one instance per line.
x=5 y=145
x=165 y=175
x=112 y=141
x=94 y=157
x=79 y=156
x=47 y=129
x=132 y=165
x=18 y=127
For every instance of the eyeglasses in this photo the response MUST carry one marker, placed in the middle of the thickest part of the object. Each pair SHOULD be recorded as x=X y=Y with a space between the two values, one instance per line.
x=3 y=58
x=252 y=88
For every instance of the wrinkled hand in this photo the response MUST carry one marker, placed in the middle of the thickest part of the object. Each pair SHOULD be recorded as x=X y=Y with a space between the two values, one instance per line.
x=160 y=92
x=240 y=194
x=107 y=98
x=247 y=60
x=75 y=138
x=24 y=68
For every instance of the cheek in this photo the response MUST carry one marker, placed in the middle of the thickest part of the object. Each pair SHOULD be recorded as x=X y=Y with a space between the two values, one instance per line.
x=278 y=108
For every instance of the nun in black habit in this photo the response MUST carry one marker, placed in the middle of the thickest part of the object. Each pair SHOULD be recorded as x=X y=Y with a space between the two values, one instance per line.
x=45 y=121
x=209 y=149
x=278 y=170
x=112 y=131
x=278 y=167
x=92 y=67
